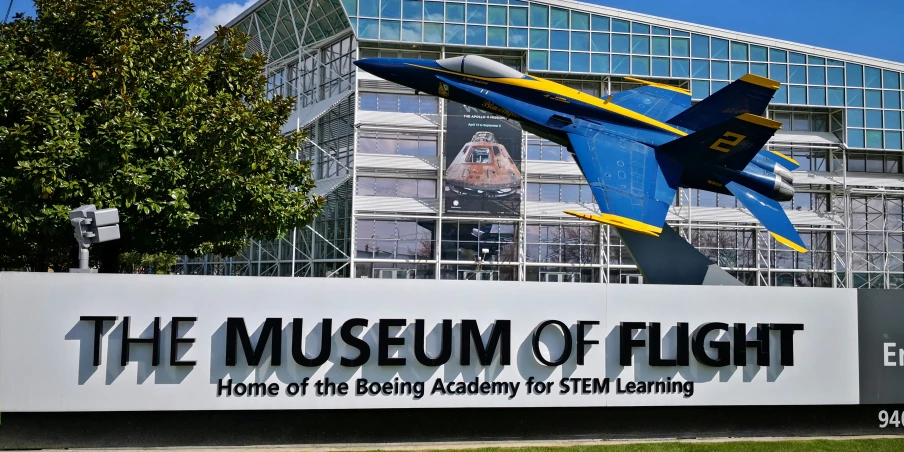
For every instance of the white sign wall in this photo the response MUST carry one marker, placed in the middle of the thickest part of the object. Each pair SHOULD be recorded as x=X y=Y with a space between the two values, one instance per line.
x=49 y=324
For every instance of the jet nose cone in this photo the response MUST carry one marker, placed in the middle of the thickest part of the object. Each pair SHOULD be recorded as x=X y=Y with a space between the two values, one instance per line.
x=372 y=65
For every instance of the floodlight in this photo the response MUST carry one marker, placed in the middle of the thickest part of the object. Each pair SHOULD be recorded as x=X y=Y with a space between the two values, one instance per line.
x=92 y=226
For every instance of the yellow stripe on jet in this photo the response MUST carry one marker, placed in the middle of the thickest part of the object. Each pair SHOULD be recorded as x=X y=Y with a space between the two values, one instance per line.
x=791 y=244
x=660 y=85
x=620 y=222
x=761 y=81
x=760 y=121
x=540 y=84
x=785 y=157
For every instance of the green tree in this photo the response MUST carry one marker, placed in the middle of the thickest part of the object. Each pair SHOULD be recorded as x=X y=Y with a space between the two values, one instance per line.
x=111 y=103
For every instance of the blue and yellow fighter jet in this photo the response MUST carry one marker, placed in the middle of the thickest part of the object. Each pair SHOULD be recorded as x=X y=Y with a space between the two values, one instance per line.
x=636 y=147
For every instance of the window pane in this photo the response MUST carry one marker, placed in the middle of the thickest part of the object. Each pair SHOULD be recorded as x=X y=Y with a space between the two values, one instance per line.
x=580 y=62
x=891 y=80
x=680 y=47
x=892 y=99
x=700 y=68
x=781 y=95
x=496 y=36
x=700 y=46
x=719 y=48
x=640 y=65
x=580 y=41
x=518 y=37
x=599 y=23
x=621 y=64
x=412 y=9
x=660 y=31
x=369 y=9
x=599 y=63
x=599 y=42
x=620 y=26
x=369 y=29
x=680 y=67
x=797 y=74
x=640 y=45
x=855 y=138
x=455 y=34
x=539 y=15
x=580 y=21
x=558 y=40
x=873 y=77
x=411 y=31
x=778 y=56
x=426 y=189
x=855 y=117
x=817 y=75
x=390 y=30
x=892 y=141
x=660 y=46
x=558 y=18
x=796 y=58
x=433 y=33
x=836 y=97
x=738 y=70
x=874 y=139
x=854 y=74
x=720 y=70
x=757 y=53
x=539 y=38
x=873 y=98
x=558 y=61
x=496 y=15
x=817 y=96
x=518 y=17
x=539 y=60
x=855 y=97
x=892 y=119
x=621 y=43
x=874 y=119
x=797 y=94
x=761 y=69
x=778 y=72
x=455 y=12
x=836 y=76
x=699 y=89
x=738 y=51
x=391 y=9
x=640 y=28
x=477 y=14
x=661 y=67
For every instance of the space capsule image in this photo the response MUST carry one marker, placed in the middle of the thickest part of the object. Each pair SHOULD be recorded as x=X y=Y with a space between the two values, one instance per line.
x=483 y=168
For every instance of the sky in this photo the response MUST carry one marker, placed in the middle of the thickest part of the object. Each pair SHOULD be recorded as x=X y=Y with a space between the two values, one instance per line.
x=865 y=27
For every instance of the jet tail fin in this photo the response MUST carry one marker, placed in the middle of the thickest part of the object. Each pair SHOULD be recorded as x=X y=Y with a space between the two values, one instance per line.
x=732 y=143
x=770 y=213
x=749 y=94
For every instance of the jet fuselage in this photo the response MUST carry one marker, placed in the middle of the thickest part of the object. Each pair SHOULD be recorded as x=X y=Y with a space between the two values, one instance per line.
x=549 y=110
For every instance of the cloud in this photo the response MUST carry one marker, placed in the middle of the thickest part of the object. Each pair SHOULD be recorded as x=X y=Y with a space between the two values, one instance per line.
x=205 y=19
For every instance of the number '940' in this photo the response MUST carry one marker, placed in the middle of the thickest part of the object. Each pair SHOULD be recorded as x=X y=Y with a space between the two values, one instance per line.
x=886 y=419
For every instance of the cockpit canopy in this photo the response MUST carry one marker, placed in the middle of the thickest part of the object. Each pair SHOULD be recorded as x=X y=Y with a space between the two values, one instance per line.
x=479 y=66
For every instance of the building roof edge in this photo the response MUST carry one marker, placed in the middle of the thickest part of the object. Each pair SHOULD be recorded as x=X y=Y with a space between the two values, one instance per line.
x=723 y=33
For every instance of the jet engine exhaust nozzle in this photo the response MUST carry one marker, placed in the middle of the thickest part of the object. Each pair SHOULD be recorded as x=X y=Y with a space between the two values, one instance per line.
x=783 y=189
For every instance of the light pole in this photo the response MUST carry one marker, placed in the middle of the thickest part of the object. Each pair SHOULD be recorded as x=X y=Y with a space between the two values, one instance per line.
x=92 y=226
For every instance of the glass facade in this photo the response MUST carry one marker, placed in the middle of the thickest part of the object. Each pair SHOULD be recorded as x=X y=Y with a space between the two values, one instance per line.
x=383 y=155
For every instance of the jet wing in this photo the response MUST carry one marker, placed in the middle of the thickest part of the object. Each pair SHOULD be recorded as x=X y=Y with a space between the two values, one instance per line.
x=770 y=213
x=654 y=100
x=633 y=184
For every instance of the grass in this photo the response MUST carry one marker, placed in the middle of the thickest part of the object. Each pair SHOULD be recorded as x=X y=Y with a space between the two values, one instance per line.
x=839 y=445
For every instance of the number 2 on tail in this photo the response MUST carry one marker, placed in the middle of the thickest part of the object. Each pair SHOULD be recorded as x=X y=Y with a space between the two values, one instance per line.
x=729 y=139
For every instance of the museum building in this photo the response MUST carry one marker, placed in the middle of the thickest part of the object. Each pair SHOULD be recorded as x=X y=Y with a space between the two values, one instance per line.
x=383 y=156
